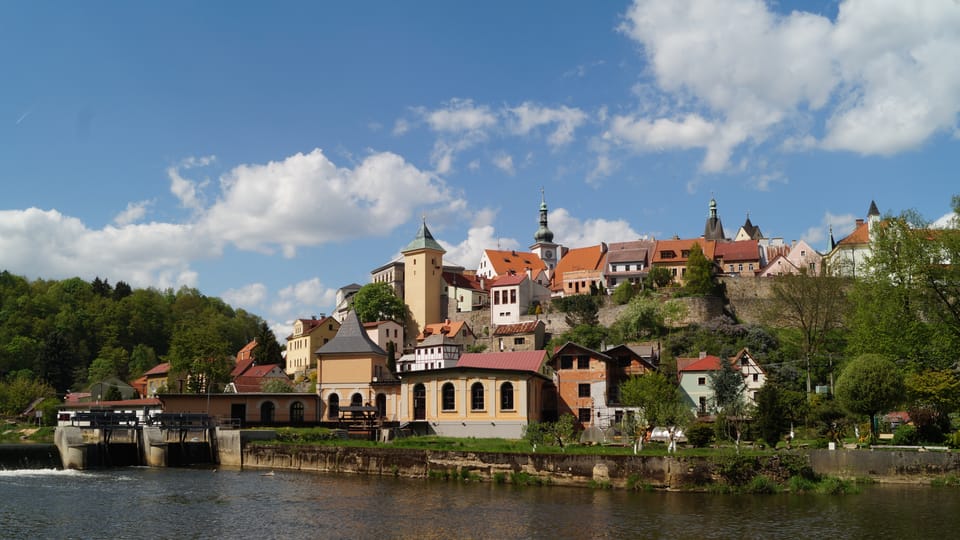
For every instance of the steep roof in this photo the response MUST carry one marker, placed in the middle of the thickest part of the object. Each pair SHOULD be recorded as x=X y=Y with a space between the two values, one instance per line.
x=873 y=211
x=514 y=262
x=678 y=247
x=860 y=235
x=577 y=259
x=571 y=345
x=744 y=250
x=423 y=240
x=507 y=280
x=512 y=361
x=351 y=339
x=159 y=369
x=752 y=230
x=637 y=250
x=707 y=363
x=462 y=281
x=448 y=327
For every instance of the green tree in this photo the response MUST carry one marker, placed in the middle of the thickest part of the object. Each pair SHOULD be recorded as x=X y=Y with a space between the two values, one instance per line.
x=931 y=397
x=378 y=302
x=870 y=384
x=19 y=390
x=658 y=277
x=660 y=401
x=268 y=350
x=728 y=401
x=623 y=293
x=277 y=386
x=589 y=336
x=778 y=409
x=578 y=309
x=142 y=359
x=646 y=317
x=699 y=280
x=813 y=306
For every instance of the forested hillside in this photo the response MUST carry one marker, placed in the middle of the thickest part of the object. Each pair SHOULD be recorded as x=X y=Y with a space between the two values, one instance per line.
x=72 y=332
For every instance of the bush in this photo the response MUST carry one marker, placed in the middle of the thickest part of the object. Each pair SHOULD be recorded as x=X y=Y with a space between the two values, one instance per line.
x=737 y=470
x=906 y=435
x=953 y=440
x=762 y=485
x=699 y=435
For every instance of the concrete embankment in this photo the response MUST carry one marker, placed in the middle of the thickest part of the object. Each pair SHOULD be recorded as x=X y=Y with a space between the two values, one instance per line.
x=670 y=472
x=673 y=472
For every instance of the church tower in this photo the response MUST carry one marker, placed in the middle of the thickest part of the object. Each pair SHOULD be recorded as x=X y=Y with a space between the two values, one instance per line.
x=423 y=281
x=543 y=245
x=713 y=230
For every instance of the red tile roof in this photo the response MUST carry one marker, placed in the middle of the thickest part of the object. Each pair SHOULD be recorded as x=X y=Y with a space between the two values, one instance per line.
x=448 y=327
x=514 y=262
x=678 y=247
x=510 y=279
x=707 y=363
x=860 y=235
x=241 y=367
x=260 y=371
x=586 y=258
x=159 y=369
x=462 y=281
x=744 y=250
x=512 y=361
x=527 y=327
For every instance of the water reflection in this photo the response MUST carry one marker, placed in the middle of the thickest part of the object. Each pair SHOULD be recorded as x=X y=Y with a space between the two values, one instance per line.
x=177 y=503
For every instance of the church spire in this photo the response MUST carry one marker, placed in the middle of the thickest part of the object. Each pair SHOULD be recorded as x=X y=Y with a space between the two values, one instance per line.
x=543 y=234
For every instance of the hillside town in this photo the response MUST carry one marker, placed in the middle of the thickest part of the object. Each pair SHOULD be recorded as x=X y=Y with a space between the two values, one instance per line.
x=474 y=356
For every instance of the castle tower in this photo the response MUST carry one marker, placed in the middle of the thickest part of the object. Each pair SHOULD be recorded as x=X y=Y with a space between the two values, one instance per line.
x=422 y=281
x=713 y=230
x=543 y=244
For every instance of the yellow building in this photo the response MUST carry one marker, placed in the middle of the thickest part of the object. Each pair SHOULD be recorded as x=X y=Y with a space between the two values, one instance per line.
x=423 y=284
x=308 y=336
x=485 y=395
x=352 y=371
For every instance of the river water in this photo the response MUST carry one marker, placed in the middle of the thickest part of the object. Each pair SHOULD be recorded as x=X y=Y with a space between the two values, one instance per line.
x=205 y=503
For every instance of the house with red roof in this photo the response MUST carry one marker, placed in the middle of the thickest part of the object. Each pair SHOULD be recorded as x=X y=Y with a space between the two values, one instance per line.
x=580 y=271
x=254 y=378
x=848 y=257
x=308 y=335
x=628 y=262
x=465 y=292
x=483 y=395
x=155 y=379
x=694 y=375
x=512 y=296
x=800 y=258
x=738 y=258
x=673 y=254
x=521 y=336
x=495 y=263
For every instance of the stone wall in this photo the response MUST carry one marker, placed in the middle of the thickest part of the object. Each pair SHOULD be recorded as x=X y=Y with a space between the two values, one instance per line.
x=885 y=465
x=674 y=472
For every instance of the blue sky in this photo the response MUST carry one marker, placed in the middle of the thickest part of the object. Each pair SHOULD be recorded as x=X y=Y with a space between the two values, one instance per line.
x=269 y=153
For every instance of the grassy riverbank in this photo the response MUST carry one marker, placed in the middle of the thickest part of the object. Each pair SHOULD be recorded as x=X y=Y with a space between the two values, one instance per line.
x=25 y=433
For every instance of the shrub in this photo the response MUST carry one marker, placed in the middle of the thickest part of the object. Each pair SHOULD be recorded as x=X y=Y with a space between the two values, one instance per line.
x=762 y=485
x=699 y=435
x=737 y=470
x=953 y=440
x=906 y=434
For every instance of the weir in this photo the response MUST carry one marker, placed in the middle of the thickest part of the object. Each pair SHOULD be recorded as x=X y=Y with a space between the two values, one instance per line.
x=112 y=439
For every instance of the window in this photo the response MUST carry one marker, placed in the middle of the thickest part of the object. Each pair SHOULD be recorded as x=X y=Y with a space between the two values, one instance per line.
x=583 y=415
x=382 y=405
x=333 y=406
x=518 y=341
x=476 y=396
x=618 y=416
x=356 y=400
x=449 y=397
x=496 y=297
x=756 y=377
x=703 y=405
x=513 y=296
x=506 y=396
x=296 y=412
x=583 y=390
x=701 y=381
x=566 y=362
x=740 y=267
x=266 y=412
x=750 y=266
x=583 y=362
x=813 y=267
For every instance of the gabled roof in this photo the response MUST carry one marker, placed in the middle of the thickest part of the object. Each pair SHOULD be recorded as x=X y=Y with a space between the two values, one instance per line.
x=423 y=240
x=436 y=339
x=511 y=361
x=744 y=250
x=448 y=327
x=637 y=250
x=310 y=324
x=375 y=324
x=351 y=339
x=577 y=259
x=241 y=366
x=707 y=363
x=873 y=211
x=462 y=281
x=507 y=280
x=568 y=346
x=678 y=247
x=514 y=262
x=159 y=369
x=260 y=371
x=527 y=327
x=860 y=235
x=779 y=261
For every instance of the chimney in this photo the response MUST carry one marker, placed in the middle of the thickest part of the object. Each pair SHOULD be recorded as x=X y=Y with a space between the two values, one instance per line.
x=859 y=222
x=703 y=354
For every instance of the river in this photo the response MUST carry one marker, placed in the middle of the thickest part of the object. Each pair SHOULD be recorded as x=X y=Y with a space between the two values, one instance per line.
x=205 y=503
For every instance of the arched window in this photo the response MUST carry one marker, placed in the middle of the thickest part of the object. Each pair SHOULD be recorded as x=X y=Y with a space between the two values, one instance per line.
x=296 y=412
x=333 y=406
x=449 y=396
x=266 y=412
x=356 y=400
x=419 y=402
x=476 y=396
x=506 y=396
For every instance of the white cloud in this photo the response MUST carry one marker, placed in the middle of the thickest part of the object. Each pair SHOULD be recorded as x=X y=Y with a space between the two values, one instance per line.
x=762 y=181
x=528 y=117
x=460 y=115
x=45 y=243
x=467 y=253
x=504 y=162
x=306 y=200
x=187 y=191
x=249 y=296
x=574 y=232
x=882 y=77
x=401 y=127
x=134 y=212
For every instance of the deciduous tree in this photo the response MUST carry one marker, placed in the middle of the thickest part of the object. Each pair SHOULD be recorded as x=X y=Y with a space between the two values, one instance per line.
x=870 y=384
x=377 y=302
